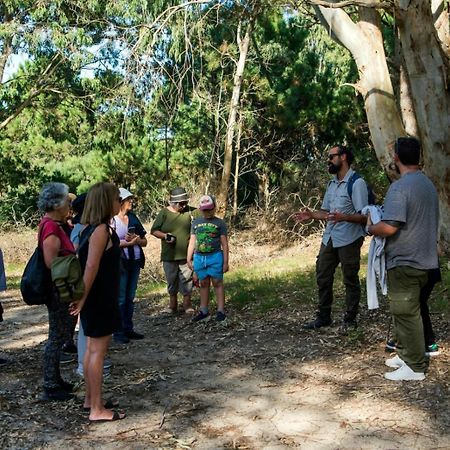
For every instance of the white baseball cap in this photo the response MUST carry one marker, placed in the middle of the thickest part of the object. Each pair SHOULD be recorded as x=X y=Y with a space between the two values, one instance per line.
x=124 y=194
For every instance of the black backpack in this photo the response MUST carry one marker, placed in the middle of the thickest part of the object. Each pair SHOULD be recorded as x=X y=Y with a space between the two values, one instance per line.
x=36 y=283
x=371 y=195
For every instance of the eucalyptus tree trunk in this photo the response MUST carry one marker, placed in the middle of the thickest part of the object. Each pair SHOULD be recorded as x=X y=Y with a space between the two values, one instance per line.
x=406 y=103
x=4 y=55
x=5 y=47
x=244 y=43
x=441 y=19
x=403 y=91
x=425 y=52
x=427 y=65
x=365 y=42
x=237 y=168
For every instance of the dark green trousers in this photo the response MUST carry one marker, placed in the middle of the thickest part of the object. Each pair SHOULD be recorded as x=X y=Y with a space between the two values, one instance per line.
x=404 y=285
x=327 y=261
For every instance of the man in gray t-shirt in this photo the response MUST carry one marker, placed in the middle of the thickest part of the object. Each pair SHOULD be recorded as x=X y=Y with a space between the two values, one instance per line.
x=342 y=239
x=412 y=202
x=410 y=226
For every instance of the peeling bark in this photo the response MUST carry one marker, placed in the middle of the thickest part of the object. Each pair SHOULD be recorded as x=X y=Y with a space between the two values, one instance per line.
x=428 y=71
x=440 y=11
x=407 y=104
x=365 y=42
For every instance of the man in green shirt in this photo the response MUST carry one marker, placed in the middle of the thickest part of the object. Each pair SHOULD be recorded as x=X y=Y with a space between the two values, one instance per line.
x=172 y=225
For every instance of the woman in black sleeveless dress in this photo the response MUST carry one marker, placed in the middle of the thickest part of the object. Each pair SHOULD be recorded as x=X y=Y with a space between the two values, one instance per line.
x=100 y=315
x=99 y=254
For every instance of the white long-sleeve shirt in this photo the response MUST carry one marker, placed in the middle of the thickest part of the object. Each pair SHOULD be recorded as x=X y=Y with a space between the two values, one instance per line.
x=376 y=265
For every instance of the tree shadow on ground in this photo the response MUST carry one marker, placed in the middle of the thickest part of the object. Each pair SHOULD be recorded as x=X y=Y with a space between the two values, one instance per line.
x=259 y=381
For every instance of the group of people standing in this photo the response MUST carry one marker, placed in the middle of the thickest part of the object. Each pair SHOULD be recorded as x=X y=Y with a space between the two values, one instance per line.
x=409 y=224
x=109 y=239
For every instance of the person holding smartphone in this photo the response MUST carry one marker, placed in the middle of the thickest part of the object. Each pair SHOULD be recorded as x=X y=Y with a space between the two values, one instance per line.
x=172 y=225
x=132 y=238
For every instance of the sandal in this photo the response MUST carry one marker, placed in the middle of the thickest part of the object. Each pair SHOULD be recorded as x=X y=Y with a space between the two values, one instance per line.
x=116 y=416
x=109 y=404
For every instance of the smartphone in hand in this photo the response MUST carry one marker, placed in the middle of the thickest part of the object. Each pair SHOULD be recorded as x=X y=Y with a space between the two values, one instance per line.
x=170 y=238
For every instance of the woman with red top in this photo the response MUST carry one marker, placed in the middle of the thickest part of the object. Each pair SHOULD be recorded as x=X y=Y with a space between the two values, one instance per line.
x=55 y=203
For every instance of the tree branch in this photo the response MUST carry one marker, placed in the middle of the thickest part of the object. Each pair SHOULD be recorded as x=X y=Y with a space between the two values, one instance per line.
x=21 y=107
x=362 y=3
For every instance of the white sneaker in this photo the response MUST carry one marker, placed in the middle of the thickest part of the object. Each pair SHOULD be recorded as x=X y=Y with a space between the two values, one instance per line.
x=395 y=362
x=404 y=373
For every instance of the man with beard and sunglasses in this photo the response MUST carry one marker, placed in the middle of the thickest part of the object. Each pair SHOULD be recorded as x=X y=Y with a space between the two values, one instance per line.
x=342 y=238
x=410 y=225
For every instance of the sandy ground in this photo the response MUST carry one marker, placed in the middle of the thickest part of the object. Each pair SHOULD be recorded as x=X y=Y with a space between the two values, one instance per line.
x=259 y=383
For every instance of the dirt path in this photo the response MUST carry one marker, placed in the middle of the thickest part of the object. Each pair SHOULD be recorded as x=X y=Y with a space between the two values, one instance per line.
x=260 y=383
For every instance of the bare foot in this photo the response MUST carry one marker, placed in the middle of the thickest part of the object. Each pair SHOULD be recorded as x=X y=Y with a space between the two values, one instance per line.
x=106 y=415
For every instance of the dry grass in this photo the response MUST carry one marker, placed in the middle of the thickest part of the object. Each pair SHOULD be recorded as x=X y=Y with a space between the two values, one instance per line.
x=248 y=246
x=17 y=246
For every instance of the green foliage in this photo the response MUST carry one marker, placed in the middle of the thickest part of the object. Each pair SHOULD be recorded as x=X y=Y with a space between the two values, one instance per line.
x=305 y=98
x=155 y=117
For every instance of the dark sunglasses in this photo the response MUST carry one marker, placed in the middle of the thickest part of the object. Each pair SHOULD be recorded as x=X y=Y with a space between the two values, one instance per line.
x=332 y=155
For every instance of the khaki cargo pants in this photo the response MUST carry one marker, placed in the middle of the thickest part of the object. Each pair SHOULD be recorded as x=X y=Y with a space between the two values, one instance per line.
x=404 y=285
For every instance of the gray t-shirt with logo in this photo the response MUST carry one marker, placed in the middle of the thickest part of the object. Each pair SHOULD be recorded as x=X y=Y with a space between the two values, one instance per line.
x=412 y=201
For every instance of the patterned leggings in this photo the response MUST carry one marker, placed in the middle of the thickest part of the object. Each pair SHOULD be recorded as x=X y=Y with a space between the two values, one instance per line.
x=60 y=326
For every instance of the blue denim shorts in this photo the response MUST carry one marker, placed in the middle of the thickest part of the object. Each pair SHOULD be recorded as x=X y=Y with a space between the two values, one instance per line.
x=209 y=265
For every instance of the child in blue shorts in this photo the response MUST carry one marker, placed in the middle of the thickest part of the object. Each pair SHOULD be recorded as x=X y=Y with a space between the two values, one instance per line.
x=208 y=256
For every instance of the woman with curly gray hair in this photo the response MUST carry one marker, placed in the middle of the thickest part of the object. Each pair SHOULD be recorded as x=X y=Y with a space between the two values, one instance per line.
x=55 y=203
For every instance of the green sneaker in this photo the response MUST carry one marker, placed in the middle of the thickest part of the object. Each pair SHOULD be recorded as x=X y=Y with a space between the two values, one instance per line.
x=432 y=350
